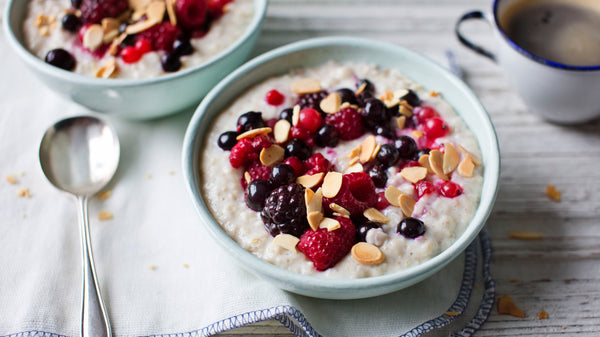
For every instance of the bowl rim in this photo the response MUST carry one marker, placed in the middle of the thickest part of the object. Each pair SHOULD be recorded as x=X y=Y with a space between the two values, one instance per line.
x=321 y=283
x=260 y=8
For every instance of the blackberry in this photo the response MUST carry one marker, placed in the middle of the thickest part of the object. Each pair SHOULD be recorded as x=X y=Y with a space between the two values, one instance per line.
x=285 y=212
x=311 y=100
x=95 y=10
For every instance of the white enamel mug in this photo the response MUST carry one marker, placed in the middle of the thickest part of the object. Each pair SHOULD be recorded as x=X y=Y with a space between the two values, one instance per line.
x=558 y=92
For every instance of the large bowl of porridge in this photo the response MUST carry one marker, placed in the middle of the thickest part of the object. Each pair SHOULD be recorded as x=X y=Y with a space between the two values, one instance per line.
x=133 y=59
x=341 y=167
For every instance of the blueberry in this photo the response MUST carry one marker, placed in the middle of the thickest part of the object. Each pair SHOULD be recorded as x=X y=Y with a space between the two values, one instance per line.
x=71 y=22
x=76 y=3
x=257 y=192
x=411 y=228
x=376 y=112
x=286 y=114
x=347 y=95
x=250 y=120
x=379 y=176
x=298 y=148
x=406 y=147
x=182 y=47
x=170 y=62
x=282 y=174
x=384 y=131
x=327 y=136
x=421 y=152
x=227 y=140
x=60 y=58
x=369 y=87
x=411 y=98
x=388 y=155
x=363 y=228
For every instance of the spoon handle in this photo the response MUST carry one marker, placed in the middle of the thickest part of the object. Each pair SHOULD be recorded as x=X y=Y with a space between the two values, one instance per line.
x=94 y=318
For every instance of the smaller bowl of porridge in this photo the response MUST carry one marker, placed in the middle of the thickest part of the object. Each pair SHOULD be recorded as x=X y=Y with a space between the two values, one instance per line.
x=135 y=59
x=341 y=167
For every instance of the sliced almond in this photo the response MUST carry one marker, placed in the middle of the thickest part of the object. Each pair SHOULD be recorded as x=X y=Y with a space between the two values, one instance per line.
x=339 y=209
x=330 y=224
x=375 y=152
x=525 y=235
x=386 y=96
x=418 y=134
x=308 y=195
x=451 y=158
x=331 y=104
x=466 y=167
x=109 y=24
x=414 y=174
x=110 y=36
x=543 y=314
x=104 y=195
x=281 y=130
x=392 y=195
x=92 y=38
x=139 y=26
x=286 y=241
x=360 y=89
x=315 y=204
x=24 y=192
x=407 y=204
x=171 y=11
x=367 y=148
x=366 y=253
x=104 y=215
x=314 y=220
x=424 y=161
x=332 y=183
x=355 y=152
x=254 y=132
x=506 y=305
x=436 y=162
x=138 y=4
x=404 y=111
x=353 y=161
x=354 y=168
x=11 y=179
x=434 y=93
x=247 y=177
x=401 y=122
x=306 y=86
x=114 y=46
x=310 y=181
x=39 y=21
x=473 y=157
x=553 y=193
x=295 y=114
x=108 y=69
x=372 y=214
x=271 y=155
x=156 y=11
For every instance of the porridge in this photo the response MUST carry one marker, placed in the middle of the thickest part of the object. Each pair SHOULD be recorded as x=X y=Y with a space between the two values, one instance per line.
x=133 y=38
x=341 y=171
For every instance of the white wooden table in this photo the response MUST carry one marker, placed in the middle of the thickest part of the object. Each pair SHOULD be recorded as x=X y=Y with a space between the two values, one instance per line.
x=559 y=273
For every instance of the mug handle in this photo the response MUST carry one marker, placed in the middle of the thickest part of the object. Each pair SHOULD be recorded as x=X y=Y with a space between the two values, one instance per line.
x=478 y=49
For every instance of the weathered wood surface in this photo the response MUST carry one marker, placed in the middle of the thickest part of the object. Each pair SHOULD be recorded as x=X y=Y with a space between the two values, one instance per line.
x=561 y=272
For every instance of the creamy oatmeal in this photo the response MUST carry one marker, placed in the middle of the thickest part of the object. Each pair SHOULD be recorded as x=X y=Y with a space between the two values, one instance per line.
x=107 y=44
x=425 y=195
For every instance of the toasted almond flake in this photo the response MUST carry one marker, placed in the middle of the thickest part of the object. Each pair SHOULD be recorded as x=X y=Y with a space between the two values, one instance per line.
x=11 y=179
x=110 y=36
x=104 y=215
x=331 y=104
x=332 y=184
x=24 y=193
x=104 y=195
x=152 y=267
x=525 y=235
x=137 y=15
x=404 y=111
x=473 y=157
x=92 y=38
x=354 y=168
x=171 y=11
x=355 y=152
x=330 y=224
x=367 y=148
x=139 y=26
x=340 y=215
x=386 y=96
x=366 y=253
x=114 y=46
x=372 y=214
x=353 y=161
x=271 y=155
x=254 y=132
x=401 y=122
x=308 y=195
x=314 y=220
x=400 y=93
x=417 y=134
x=434 y=93
x=306 y=86
x=108 y=69
x=451 y=158
x=281 y=130
x=553 y=193
x=315 y=204
x=466 y=167
x=506 y=305
x=185 y=265
x=424 y=161
x=339 y=209
x=310 y=181
x=452 y=313
x=109 y=24
x=39 y=21
x=286 y=241
x=156 y=11
x=543 y=314
x=407 y=204
x=375 y=152
x=436 y=162
x=392 y=195
x=247 y=177
x=361 y=88
x=44 y=31
x=405 y=104
x=414 y=174
x=295 y=114
x=138 y=4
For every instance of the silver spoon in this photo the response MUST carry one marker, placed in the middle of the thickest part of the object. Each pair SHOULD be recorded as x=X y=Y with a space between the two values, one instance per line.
x=80 y=155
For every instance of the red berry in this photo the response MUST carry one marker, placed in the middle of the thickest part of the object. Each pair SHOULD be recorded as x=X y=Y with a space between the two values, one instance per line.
x=316 y=164
x=143 y=46
x=326 y=248
x=382 y=202
x=242 y=153
x=424 y=187
x=95 y=10
x=215 y=7
x=82 y=30
x=191 y=13
x=423 y=113
x=299 y=132
x=450 y=189
x=274 y=97
x=130 y=55
x=310 y=119
x=161 y=35
x=435 y=128
x=296 y=164
x=356 y=194
x=260 y=142
x=257 y=171
x=348 y=122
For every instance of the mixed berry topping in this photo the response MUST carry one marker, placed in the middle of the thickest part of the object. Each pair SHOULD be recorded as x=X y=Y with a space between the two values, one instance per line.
x=291 y=174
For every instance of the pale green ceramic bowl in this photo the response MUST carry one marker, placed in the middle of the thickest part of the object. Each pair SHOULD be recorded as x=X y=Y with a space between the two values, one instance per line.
x=131 y=98
x=311 y=53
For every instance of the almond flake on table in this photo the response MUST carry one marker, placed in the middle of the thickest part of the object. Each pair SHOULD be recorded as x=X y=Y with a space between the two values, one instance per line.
x=506 y=305
x=553 y=193
x=104 y=215
x=543 y=314
x=11 y=179
x=24 y=193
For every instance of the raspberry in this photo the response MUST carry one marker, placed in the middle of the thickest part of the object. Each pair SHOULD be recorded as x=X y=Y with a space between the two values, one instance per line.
x=325 y=249
x=316 y=164
x=296 y=164
x=348 y=122
x=259 y=143
x=93 y=11
x=242 y=153
x=215 y=7
x=161 y=35
x=312 y=100
x=191 y=13
x=257 y=171
x=356 y=194
x=285 y=212
x=300 y=133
